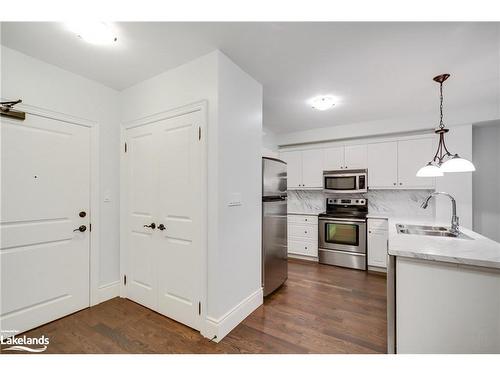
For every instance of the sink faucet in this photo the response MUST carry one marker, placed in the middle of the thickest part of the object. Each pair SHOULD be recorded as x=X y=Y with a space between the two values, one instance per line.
x=454 y=217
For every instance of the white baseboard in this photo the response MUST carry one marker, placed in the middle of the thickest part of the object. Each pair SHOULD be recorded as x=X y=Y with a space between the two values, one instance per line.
x=109 y=291
x=302 y=257
x=377 y=269
x=222 y=326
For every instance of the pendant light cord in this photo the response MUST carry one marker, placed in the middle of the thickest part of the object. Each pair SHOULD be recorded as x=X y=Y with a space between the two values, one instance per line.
x=441 y=124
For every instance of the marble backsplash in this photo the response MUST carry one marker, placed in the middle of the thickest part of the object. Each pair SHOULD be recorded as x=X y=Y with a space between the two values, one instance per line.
x=396 y=203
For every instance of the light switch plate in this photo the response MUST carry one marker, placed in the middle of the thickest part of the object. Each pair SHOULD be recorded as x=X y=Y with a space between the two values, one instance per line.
x=235 y=200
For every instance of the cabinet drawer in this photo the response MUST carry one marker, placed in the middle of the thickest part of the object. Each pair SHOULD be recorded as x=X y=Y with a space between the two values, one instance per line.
x=309 y=248
x=303 y=219
x=303 y=231
x=378 y=224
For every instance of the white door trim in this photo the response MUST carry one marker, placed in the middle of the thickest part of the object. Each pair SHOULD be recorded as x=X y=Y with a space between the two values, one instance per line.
x=189 y=108
x=94 y=250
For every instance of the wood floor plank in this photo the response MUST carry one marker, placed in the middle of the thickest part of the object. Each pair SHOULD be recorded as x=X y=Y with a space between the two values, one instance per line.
x=320 y=309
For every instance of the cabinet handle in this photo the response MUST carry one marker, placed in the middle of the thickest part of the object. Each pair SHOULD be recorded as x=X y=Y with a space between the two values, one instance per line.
x=305 y=247
x=305 y=219
x=394 y=183
x=305 y=231
x=369 y=231
x=401 y=183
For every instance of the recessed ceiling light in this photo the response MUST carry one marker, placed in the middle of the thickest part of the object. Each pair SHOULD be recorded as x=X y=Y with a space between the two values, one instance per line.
x=94 y=32
x=323 y=102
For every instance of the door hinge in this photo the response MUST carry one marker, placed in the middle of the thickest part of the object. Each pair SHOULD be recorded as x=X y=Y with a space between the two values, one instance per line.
x=199 y=308
x=199 y=133
x=124 y=279
x=125 y=146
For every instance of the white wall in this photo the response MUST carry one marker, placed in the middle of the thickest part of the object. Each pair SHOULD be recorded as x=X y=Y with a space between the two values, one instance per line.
x=234 y=166
x=389 y=126
x=45 y=86
x=237 y=273
x=486 y=180
x=269 y=144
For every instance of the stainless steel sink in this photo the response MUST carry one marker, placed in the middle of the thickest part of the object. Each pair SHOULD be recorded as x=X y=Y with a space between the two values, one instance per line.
x=428 y=230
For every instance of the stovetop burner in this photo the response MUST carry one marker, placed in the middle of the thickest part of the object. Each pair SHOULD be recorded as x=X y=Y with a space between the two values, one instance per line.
x=346 y=208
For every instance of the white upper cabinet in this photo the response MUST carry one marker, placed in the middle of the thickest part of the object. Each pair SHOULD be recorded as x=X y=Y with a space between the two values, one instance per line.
x=312 y=168
x=304 y=169
x=391 y=164
x=413 y=154
x=293 y=161
x=383 y=165
x=355 y=157
x=395 y=164
x=334 y=158
x=345 y=157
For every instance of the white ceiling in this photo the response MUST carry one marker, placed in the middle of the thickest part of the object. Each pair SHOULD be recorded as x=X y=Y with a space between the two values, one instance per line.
x=378 y=70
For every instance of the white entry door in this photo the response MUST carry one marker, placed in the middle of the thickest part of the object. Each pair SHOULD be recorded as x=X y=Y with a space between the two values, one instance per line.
x=165 y=188
x=44 y=257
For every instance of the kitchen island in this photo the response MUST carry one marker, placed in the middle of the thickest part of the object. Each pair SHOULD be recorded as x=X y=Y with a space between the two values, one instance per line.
x=443 y=292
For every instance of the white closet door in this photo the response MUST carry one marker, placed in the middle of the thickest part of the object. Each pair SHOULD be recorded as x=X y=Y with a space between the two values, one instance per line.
x=179 y=203
x=164 y=265
x=142 y=161
x=45 y=185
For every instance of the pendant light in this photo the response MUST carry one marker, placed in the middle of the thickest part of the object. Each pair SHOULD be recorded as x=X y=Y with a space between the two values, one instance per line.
x=444 y=160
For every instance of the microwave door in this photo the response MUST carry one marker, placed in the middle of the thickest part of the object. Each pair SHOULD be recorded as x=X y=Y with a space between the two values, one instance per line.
x=341 y=183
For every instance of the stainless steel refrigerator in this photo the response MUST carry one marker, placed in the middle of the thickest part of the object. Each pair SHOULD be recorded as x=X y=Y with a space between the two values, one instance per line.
x=274 y=224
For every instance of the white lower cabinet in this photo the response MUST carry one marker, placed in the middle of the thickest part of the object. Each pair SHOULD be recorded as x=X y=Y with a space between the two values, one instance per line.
x=303 y=236
x=377 y=243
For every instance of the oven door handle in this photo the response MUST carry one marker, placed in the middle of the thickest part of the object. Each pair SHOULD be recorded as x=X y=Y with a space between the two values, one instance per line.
x=343 y=220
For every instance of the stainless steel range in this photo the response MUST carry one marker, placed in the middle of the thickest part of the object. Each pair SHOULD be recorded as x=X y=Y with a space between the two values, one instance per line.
x=342 y=233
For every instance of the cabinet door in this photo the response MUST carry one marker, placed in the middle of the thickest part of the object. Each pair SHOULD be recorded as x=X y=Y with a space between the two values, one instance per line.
x=413 y=154
x=377 y=248
x=312 y=168
x=355 y=157
x=382 y=165
x=333 y=158
x=293 y=161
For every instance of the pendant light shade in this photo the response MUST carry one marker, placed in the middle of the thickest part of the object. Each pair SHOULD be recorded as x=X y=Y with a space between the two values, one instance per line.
x=429 y=170
x=444 y=160
x=457 y=164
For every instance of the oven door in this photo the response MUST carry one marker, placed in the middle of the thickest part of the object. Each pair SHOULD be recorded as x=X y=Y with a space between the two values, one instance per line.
x=342 y=234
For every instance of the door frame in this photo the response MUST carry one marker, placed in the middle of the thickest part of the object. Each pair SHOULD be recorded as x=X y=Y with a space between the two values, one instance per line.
x=94 y=189
x=202 y=107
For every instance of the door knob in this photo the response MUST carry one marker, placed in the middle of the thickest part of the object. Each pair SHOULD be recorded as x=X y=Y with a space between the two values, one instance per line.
x=152 y=226
x=81 y=228
x=162 y=227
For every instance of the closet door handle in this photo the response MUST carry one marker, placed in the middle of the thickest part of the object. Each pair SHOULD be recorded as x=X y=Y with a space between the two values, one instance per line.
x=81 y=228
x=152 y=226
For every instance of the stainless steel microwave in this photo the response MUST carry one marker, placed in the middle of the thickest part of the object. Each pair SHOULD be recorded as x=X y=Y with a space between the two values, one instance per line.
x=346 y=181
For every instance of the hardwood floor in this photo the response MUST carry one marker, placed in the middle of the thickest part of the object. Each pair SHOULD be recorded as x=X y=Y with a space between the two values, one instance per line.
x=320 y=309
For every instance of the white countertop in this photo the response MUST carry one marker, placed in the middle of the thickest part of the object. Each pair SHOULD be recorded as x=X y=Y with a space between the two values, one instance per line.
x=478 y=251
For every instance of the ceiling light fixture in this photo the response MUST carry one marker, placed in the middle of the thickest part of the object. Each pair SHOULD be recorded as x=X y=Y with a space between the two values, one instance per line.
x=444 y=160
x=94 y=32
x=323 y=102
